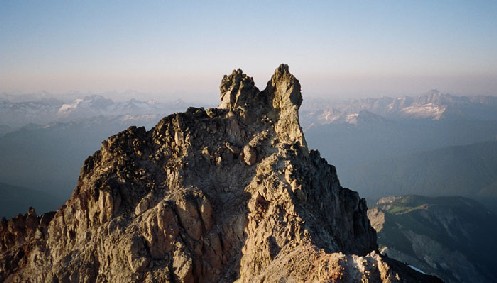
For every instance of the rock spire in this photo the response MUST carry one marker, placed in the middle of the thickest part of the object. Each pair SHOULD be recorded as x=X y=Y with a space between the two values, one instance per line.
x=210 y=195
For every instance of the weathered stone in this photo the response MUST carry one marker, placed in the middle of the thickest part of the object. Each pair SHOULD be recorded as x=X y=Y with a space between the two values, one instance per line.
x=176 y=204
x=249 y=155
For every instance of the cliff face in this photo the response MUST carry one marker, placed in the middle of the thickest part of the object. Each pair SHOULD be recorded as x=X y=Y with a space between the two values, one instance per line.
x=216 y=195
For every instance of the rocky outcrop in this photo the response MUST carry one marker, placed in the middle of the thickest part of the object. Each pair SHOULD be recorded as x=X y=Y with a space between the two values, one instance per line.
x=452 y=237
x=209 y=195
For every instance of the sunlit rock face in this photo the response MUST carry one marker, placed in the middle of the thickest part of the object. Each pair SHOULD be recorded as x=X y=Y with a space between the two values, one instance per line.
x=209 y=195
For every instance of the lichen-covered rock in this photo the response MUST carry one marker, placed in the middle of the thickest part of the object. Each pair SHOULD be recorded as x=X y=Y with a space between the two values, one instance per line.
x=216 y=195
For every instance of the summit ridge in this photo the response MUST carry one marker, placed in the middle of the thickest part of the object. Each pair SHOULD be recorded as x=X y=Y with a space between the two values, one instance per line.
x=210 y=195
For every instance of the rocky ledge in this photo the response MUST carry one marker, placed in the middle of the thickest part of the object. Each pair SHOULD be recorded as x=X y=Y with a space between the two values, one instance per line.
x=210 y=195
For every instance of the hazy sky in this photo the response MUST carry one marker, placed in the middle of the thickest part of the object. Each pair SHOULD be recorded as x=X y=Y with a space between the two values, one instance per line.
x=182 y=48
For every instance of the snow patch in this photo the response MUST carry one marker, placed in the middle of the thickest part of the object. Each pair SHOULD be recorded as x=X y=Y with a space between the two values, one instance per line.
x=352 y=118
x=67 y=108
x=416 y=269
x=428 y=110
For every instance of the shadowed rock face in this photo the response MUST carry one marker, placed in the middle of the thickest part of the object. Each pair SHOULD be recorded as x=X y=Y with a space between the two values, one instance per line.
x=447 y=236
x=216 y=195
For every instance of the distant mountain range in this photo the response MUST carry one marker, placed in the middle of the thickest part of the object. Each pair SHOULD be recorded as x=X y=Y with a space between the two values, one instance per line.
x=16 y=114
x=381 y=148
x=379 y=145
x=467 y=170
x=44 y=141
x=451 y=237
x=49 y=157
x=433 y=106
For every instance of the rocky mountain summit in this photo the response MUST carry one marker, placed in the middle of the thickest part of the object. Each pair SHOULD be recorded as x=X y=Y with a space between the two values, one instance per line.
x=209 y=195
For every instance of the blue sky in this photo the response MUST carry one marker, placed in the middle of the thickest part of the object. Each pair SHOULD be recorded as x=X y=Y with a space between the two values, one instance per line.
x=181 y=49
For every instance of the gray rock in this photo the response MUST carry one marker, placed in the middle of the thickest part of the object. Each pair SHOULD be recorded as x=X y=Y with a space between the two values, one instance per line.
x=182 y=202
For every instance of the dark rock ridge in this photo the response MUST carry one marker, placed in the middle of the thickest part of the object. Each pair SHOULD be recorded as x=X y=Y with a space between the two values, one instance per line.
x=209 y=195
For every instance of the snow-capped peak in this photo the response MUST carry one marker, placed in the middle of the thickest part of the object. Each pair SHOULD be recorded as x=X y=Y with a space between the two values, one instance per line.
x=67 y=108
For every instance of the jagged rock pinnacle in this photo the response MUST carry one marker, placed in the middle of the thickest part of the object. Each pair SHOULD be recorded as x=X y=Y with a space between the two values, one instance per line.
x=287 y=86
x=237 y=90
x=279 y=103
x=210 y=195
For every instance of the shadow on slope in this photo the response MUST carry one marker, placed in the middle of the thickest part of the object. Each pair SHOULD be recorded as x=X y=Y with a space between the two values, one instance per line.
x=451 y=237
